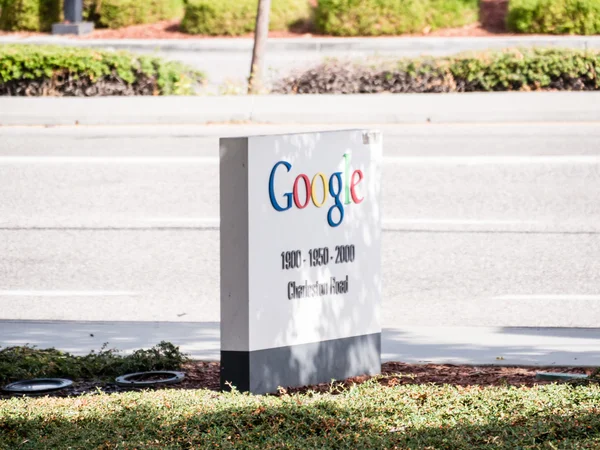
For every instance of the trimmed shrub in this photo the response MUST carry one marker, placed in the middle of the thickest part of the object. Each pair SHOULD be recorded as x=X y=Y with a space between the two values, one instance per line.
x=554 y=16
x=123 y=13
x=32 y=70
x=391 y=17
x=237 y=17
x=39 y=15
x=29 y=15
x=512 y=70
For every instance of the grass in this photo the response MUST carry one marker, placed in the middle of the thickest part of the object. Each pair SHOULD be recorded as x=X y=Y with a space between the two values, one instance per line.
x=364 y=416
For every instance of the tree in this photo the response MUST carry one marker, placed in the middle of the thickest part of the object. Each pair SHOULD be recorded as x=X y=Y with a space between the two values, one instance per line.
x=261 y=33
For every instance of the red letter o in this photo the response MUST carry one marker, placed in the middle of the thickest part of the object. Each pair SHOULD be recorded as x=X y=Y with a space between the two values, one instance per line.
x=307 y=190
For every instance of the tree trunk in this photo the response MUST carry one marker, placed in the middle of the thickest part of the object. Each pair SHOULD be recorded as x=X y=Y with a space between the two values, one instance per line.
x=261 y=33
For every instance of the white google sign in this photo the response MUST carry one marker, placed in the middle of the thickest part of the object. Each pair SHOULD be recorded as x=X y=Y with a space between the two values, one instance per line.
x=300 y=258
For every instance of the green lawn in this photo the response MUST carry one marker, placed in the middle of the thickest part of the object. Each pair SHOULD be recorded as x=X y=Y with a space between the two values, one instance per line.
x=365 y=416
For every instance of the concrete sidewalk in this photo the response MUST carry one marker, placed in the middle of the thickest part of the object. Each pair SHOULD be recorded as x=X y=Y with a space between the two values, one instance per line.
x=453 y=345
x=405 y=46
x=505 y=107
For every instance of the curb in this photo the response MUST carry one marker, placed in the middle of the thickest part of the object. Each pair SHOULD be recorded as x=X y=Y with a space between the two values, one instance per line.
x=399 y=46
x=501 y=107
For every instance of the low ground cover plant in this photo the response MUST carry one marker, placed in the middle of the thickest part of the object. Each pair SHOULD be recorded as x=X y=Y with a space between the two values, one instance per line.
x=554 y=16
x=390 y=17
x=511 y=70
x=363 y=416
x=237 y=17
x=25 y=362
x=31 y=70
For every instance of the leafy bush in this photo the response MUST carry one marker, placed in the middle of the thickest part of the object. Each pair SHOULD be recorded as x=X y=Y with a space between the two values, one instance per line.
x=123 y=13
x=39 y=15
x=554 y=16
x=390 y=17
x=29 y=15
x=511 y=70
x=18 y=363
x=237 y=17
x=70 y=71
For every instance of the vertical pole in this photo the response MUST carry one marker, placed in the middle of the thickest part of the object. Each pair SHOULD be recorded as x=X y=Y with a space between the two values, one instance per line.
x=73 y=22
x=73 y=11
x=261 y=34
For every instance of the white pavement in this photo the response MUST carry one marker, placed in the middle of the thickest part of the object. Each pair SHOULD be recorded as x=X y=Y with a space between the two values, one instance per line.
x=451 y=345
x=465 y=108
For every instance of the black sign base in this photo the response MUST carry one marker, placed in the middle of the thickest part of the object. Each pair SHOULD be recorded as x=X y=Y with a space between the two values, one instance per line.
x=264 y=371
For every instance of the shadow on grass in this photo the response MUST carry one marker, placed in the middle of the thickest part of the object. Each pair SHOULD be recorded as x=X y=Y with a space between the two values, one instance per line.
x=414 y=420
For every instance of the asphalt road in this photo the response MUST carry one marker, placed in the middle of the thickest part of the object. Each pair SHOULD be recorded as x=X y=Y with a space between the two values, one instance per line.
x=492 y=226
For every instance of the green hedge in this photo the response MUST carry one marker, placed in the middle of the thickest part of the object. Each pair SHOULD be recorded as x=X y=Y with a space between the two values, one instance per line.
x=39 y=15
x=123 y=13
x=511 y=70
x=391 y=17
x=29 y=15
x=237 y=17
x=59 y=70
x=554 y=16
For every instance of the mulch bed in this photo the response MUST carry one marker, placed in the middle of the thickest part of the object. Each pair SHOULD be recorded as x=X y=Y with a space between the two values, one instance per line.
x=170 y=30
x=205 y=375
